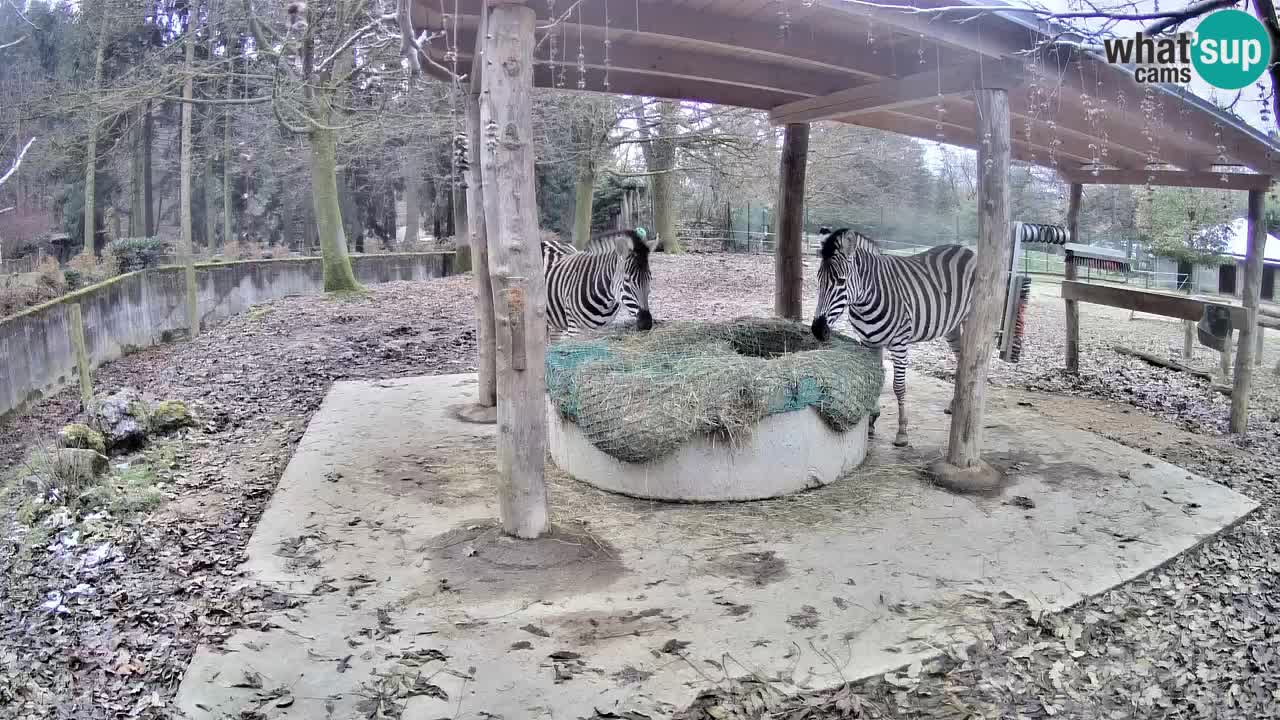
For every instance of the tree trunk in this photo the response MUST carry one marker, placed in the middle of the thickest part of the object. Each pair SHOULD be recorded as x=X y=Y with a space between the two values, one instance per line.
x=519 y=295
x=338 y=275
x=148 y=206
x=788 y=298
x=185 y=243
x=412 y=199
x=137 y=215
x=210 y=201
x=227 y=164
x=91 y=146
x=583 y=198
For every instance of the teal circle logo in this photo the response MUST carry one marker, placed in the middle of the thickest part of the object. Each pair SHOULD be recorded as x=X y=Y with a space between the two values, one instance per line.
x=1232 y=49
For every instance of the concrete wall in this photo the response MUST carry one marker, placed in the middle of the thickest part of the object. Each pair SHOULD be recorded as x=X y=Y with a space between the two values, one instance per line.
x=144 y=308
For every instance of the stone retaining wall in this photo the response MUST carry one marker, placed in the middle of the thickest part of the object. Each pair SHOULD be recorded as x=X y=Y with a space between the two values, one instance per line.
x=143 y=308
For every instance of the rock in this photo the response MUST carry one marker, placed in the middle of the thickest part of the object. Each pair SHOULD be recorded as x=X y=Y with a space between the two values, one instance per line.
x=122 y=419
x=83 y=437
x=74 y=468
x=170 y=415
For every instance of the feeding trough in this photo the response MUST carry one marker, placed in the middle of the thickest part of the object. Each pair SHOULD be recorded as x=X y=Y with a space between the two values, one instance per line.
x=700 y=411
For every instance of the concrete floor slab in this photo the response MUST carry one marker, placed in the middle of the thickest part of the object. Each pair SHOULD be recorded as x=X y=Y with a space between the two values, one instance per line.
x=383 y=528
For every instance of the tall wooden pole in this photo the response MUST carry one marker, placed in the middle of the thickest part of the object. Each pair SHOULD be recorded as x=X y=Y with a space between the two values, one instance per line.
x=1249 y=298
x=487 y=394
x=963 y=467
x=519 y=295
x=1070 y=270
x=788 y=278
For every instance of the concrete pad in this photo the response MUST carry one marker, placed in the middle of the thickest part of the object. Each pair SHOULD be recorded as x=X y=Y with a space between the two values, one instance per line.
x=784 y=453
x=382 y=527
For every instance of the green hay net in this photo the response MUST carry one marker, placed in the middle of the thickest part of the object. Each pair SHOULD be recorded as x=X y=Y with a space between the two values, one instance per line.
x=639 y=396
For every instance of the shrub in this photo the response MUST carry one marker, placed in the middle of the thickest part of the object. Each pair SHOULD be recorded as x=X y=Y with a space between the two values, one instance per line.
x=137 y=253
x=89 y=270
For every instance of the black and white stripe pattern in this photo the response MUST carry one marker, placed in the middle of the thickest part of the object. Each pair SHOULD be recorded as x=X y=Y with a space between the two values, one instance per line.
x=894 y=301
x=586 y=287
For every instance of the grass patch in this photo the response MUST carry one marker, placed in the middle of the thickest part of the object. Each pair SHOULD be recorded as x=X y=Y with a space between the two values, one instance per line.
x=258 y=312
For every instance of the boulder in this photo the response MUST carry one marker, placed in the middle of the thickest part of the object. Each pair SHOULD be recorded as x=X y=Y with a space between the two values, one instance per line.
x=170 y=415
x=74 y=468
x=82 y=437
x=122 y=418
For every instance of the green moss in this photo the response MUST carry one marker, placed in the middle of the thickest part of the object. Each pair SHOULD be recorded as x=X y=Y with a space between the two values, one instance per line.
x=79 y=435
x=169 y=415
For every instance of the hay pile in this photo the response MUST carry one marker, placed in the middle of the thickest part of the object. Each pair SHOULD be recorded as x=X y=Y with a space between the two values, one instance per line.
x=639 y=396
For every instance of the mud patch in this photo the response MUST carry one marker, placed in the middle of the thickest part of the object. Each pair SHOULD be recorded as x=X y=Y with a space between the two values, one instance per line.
x=474 y=414
x=758 y=568
x=588 y=628
x=478 y=559
x=455 y=470
x=1015 y=463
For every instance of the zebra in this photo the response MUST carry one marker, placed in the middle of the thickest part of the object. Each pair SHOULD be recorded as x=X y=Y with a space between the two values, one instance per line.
x=894 y=301
x=585 y=287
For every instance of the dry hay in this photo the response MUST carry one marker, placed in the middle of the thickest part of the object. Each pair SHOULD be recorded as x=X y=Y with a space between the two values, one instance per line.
x=639 y=396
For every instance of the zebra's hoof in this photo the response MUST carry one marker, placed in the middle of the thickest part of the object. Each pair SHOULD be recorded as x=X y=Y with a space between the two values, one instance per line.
x=900 y=440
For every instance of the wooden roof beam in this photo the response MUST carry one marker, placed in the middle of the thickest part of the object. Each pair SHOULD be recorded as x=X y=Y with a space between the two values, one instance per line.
x=1170 y=178
x=805 y=47
x=955 y=134
x=899 y=92
x=930 y=26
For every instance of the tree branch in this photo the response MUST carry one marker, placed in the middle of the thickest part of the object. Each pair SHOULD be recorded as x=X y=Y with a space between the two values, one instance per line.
x=9 y=173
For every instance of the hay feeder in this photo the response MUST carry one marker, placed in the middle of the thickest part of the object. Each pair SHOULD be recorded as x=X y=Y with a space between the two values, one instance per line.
x=698 y=411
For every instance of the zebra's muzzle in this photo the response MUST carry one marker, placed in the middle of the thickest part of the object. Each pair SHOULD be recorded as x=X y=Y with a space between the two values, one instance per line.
x=820 y=328
x=644 y=321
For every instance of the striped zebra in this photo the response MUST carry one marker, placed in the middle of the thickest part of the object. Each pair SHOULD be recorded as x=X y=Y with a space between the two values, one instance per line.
x=586 y=287
x=894 y=301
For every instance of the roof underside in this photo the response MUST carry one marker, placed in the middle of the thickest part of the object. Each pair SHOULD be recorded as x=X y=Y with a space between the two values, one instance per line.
x=1073 y=111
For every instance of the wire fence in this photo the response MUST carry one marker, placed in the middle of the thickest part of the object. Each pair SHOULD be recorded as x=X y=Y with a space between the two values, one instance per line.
x=1031 y=261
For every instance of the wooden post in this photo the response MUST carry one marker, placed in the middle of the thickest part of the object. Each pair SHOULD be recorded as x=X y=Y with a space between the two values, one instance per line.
x=519 y=295
x=963 y=468
x=1070 y=272
x=1257 y=350
x=487 y=394
x=788 y=278
x=1224 y=360
x=75 y=330
x=1250 y=297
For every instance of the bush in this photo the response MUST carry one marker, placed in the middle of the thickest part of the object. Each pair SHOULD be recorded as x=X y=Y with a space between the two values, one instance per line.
x=137 y=253
x=89 y=270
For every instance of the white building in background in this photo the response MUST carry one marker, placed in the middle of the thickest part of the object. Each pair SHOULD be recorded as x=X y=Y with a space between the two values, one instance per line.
x=1227 y=279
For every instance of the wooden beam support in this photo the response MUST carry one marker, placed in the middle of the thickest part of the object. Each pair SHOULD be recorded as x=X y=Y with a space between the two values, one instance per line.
x=519 y=294
x=1072 y=308
x=1170 y=178
x=1180 y=307
x=924 y=87
x=964 y=446
x=788 y=285
x=1250 y=297
x=487 y=390
x=75 y=331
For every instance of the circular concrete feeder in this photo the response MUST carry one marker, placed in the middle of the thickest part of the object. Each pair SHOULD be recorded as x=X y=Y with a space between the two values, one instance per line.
x=784 y=453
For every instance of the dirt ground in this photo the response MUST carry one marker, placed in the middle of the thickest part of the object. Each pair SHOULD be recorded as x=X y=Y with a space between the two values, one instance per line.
x=99 y=618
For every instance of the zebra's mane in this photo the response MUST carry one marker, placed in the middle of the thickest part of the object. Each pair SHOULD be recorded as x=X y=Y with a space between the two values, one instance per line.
x=606 y=242
x=857 y=242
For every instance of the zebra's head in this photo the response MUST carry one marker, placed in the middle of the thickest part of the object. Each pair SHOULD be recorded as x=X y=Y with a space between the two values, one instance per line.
x=635 y=288
x=633 y=248
x=839 y=253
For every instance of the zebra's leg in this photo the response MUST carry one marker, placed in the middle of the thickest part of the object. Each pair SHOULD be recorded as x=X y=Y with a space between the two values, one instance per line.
x=953 y=339
x=899 y=355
